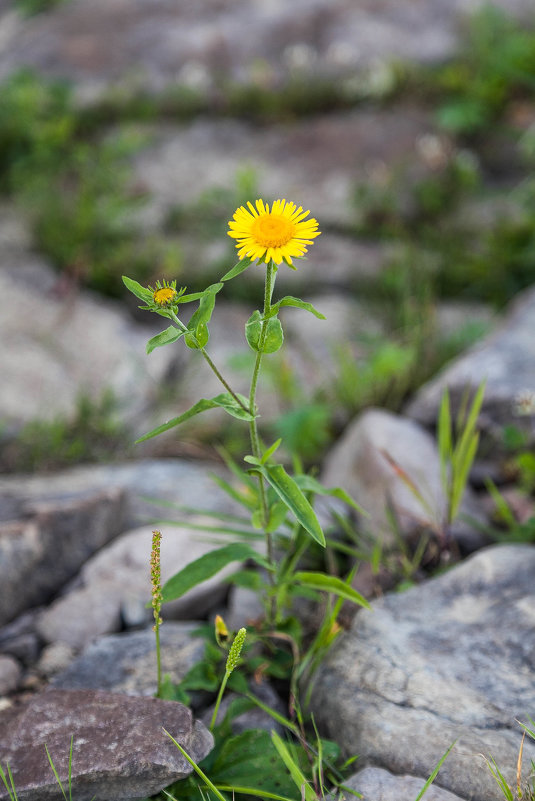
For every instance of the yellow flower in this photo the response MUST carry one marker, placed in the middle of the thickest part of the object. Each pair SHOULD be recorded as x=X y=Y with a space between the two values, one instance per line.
x=164 y=295
x=279 y=235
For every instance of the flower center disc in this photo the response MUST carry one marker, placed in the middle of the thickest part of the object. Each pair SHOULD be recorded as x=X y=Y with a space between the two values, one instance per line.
x=272 y=230
x=164 y=295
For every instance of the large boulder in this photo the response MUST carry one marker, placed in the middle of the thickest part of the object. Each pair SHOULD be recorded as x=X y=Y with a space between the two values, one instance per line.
x=450 y=660
x=119 y=746
x=505 y=360
x=377 y=458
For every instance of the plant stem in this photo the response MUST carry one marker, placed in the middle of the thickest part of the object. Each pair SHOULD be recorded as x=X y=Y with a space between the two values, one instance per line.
x=253 y=428
x=210 y=363
x=158 y=662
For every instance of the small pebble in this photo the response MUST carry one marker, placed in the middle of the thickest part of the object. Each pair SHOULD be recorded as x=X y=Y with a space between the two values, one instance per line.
x=55 y=658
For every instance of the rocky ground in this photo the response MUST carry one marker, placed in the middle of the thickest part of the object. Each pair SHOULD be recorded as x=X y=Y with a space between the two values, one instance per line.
x=449 y=660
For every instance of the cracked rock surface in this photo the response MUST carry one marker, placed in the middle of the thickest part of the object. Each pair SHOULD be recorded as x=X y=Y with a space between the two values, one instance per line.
x=449 y=660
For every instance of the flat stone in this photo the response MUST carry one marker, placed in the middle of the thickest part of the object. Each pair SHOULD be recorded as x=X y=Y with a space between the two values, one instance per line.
x=505 y=360
x=174 y=480
x=119 y=576
x=126 y=663
x=377 y=784
x=358 y=462
x=449 y=660
x=39 y=555
x=119 y=748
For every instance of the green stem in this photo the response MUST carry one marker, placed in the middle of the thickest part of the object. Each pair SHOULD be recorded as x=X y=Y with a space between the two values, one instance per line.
x=219 y=697
x=210 y=363
x=253 y=428
x=158 y=659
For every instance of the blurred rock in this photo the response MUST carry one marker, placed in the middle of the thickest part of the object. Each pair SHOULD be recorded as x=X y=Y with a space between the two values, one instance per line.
x=359 y=462
x=39 y=555
x=119 y=748
x=505 y=360
x=119 y=574
x=10 y=674
x=448 y=660
x=126 y=663
x=380 y=785
x=111 y=44
x=54 y=659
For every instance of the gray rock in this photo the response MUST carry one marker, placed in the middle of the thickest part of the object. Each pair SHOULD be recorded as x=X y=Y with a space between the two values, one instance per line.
x=119 y=751
x=170 y=480
x=358 y=463
x=81 y=344
x=40 y=554
x=449 y=660
x=377 y=784
x=55 y=658
x=10 y=674
x=109 y=44
x=505 y=360
x=19 y=639
x=119 y=576
x=319 y=165
x=126 y=663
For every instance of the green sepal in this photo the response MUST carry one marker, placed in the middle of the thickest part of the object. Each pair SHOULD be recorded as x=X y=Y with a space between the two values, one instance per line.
x=298 y=304
x=207 y=566
x=310 y=484
x=321 y=581
x=224 y=401
x=170 y=334
x=290 y=494
x=141 y=292
x=273 y=337
x=238 y=268
x=198 y=334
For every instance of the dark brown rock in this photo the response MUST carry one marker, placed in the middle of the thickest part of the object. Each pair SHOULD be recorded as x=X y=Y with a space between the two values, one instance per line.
x=120 y=749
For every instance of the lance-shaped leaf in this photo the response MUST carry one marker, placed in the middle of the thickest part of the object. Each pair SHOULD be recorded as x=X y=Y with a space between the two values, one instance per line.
x=224 y=401
x=207 y=566
x=290 y=494
x=198 y=325
x=141 y=292
x=310 y=484
x=237 y=269
x=170 y=334
x=321 y=581
x=298 y=304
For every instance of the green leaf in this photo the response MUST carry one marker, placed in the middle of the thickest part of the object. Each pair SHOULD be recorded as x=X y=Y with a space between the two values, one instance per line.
x=289 y=492
x=224 y=401
x=434 y=774
x=270 y=451
x=298 y=304
x=207 y=566
x=321 y=581
x=237 y=269
x=305 y=790
x=444 y=438
x=199 y=335
x=170 y=334
x=310 y=484
x=273 y=337
x=249 y=760
x=141 y=292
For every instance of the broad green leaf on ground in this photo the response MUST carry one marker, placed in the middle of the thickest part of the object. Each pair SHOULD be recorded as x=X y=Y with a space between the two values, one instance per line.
x=224 y=401
x=207 y=566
